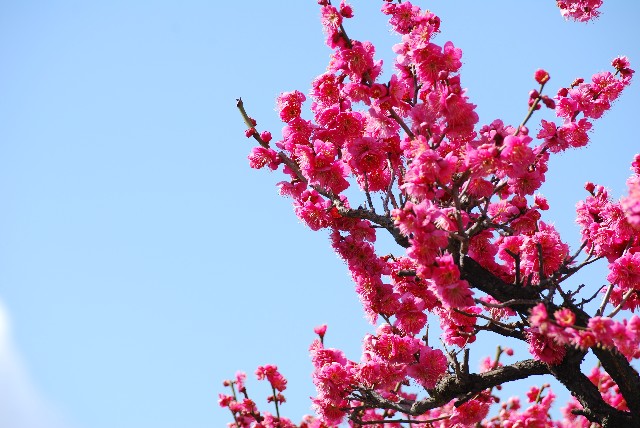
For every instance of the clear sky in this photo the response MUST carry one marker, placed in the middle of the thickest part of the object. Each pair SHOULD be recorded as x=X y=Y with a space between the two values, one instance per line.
x=141 y=260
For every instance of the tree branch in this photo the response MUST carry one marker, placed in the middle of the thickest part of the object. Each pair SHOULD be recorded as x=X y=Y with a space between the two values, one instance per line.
x=624 y=375
x=380 y=220
x=595 y=408
x=452 y=386
x=487 y=282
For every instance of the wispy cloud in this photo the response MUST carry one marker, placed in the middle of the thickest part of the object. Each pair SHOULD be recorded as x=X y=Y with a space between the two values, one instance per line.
x=21 y=405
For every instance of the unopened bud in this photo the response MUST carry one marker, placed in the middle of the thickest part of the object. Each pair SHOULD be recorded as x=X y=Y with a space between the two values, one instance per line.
x=541 y=76
x=549 y=102
x=590 y=187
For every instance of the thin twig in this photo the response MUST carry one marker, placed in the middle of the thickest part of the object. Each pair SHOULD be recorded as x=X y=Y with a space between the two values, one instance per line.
x=249 y=122
x=531 y=109
x=605 y=300
x=622 y=302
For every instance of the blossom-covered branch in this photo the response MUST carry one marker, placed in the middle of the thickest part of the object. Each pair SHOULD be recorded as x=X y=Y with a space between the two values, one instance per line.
x=474 y=254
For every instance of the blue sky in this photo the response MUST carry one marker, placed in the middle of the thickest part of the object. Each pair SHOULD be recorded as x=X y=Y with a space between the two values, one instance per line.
x=141 y=260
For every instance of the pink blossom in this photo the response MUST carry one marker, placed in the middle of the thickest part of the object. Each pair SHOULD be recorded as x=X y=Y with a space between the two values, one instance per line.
x=564 y=317
x=428 y=169
x=553 y=252
x=313 y=210
x=347 y=126
x=410 y=317
x=270 y=372
x=607 y=387
x=502 y=211
x=573 y=134
x=320 y=166
x=391 y=347
x=333 y=381
x=355 y=61
x=356 y=92
x=403 y=16
x=261 y=157
x=329 y=412
x=224 y=400
x=410 y=284
x=289 y=105
x=580 y=10
x=375 y=372
x=625 y=271
x=498 y=313
x=419 y=219
x=603 y=225
x=325 y=91
x=431 y=366
x=472 y=412
x=331 y=20
x=366 y=155
x=320 y=330
x=544 y=348
x=541 y=202
x=346 y=10
x=250 y=132
x=456 y=294
x=458 y=327
x=483 y=249
x=539 y=317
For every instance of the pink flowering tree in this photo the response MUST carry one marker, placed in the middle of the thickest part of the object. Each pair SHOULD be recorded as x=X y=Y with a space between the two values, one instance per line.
x=460 y=200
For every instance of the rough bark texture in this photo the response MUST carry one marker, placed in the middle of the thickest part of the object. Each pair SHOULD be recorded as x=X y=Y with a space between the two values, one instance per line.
x=463 y=387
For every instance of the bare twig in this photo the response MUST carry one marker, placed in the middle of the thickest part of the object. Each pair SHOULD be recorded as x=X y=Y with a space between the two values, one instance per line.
x=605 y=300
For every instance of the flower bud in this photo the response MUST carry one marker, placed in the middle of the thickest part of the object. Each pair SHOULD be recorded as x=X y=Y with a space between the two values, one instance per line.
x=266 y=136
x=320 y=330
x=548 y=102
x=590 y=187
x=541 y=76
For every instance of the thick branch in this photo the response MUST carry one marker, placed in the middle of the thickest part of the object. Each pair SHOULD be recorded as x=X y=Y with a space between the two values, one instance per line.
x=595 y=408
x=452 y=386
x=380 y=220
x=616 y=365
x=569 y=373
x=624 y=375
x=487 y=282
x=502 y=331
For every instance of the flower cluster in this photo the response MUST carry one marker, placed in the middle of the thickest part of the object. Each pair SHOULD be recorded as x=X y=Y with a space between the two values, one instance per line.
x=550 y=334
x=583 y=101
x=245 y=411
x=603 y=224
x=536 y=414
x=463 y=201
